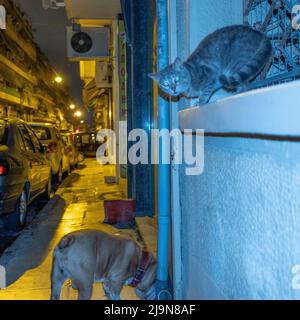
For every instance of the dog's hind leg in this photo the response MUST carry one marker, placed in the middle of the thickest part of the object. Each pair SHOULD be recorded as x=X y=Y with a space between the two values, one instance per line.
x=58 y=278
x=85 y=292
x=84 y=284
x=113 y=290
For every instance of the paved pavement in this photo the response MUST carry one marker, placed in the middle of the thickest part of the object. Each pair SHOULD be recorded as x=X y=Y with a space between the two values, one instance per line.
x=78 y=204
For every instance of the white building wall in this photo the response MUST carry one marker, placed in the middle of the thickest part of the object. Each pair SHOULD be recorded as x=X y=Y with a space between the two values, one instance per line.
x=233 y=225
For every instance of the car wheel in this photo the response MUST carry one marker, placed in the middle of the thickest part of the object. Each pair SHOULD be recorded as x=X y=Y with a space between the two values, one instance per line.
x=21 y=210
x=81 y=157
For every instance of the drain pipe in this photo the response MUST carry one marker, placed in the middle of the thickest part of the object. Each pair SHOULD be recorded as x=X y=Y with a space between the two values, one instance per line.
x=164 y=203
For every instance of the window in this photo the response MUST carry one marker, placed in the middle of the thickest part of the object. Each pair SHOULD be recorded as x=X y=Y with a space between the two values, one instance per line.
x=35 y=140
x=43 y=133
x=57 y=134
x=65 y=139
x=26 y=138
x=20 y=140
x=3 y=132
x=277 y=20
x=85 y=139
x=78 y=141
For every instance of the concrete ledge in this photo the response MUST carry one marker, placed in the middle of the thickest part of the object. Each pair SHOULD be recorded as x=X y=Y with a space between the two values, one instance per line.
x=270 y=111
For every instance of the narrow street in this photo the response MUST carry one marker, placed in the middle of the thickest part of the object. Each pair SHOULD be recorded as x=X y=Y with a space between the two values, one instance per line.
x=77 y=204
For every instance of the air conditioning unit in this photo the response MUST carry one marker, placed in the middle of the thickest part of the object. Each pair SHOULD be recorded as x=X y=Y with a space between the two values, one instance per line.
x=88 y=43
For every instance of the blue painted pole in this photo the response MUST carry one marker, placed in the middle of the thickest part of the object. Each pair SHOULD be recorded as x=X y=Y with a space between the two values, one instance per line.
x=164 y=203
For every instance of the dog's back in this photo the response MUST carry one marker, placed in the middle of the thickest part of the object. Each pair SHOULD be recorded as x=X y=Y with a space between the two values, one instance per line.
x=89 y=255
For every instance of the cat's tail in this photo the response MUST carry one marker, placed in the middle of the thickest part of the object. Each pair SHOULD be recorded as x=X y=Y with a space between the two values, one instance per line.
x=250 y=70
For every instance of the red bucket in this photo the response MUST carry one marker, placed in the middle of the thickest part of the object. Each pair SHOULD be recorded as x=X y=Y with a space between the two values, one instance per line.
x=119 y=211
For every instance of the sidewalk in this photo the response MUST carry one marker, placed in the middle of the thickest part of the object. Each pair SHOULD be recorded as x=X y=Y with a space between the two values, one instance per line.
x=78 y=204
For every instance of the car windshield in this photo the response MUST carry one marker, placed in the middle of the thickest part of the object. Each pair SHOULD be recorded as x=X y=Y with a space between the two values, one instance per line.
x=89 y=138
x=43 y=133
x=2 y=132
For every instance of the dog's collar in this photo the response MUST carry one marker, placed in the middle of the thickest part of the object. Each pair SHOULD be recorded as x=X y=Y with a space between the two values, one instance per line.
x=140 y=273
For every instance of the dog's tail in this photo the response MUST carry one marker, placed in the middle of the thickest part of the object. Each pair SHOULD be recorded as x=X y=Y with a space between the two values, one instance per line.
x=58 y=275
x=66 y=242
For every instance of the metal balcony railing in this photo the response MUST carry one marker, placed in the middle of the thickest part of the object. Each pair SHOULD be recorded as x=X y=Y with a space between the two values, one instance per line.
x=275 y=18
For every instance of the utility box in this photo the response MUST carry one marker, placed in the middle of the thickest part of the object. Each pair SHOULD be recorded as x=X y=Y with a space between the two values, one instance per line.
x=88 y=43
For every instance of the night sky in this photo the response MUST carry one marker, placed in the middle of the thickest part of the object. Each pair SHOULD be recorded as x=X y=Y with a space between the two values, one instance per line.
x=49 y=28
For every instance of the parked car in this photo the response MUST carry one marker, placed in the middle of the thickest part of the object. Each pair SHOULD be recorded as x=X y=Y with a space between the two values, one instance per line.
x=57 y=151
x=87 y=143
x=68 y=138
x=25 y=172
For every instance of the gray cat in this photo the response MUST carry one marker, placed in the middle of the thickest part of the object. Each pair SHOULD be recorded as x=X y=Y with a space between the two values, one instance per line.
x=229 y=58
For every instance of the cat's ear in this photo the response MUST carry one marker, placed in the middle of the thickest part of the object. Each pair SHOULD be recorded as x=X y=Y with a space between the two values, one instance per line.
x=177 y=64
x=154 y=76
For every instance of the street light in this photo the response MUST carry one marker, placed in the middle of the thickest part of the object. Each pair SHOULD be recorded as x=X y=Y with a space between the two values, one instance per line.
x=82 y=121
x=78 y=114
x=72 y=106
x=58 y=79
